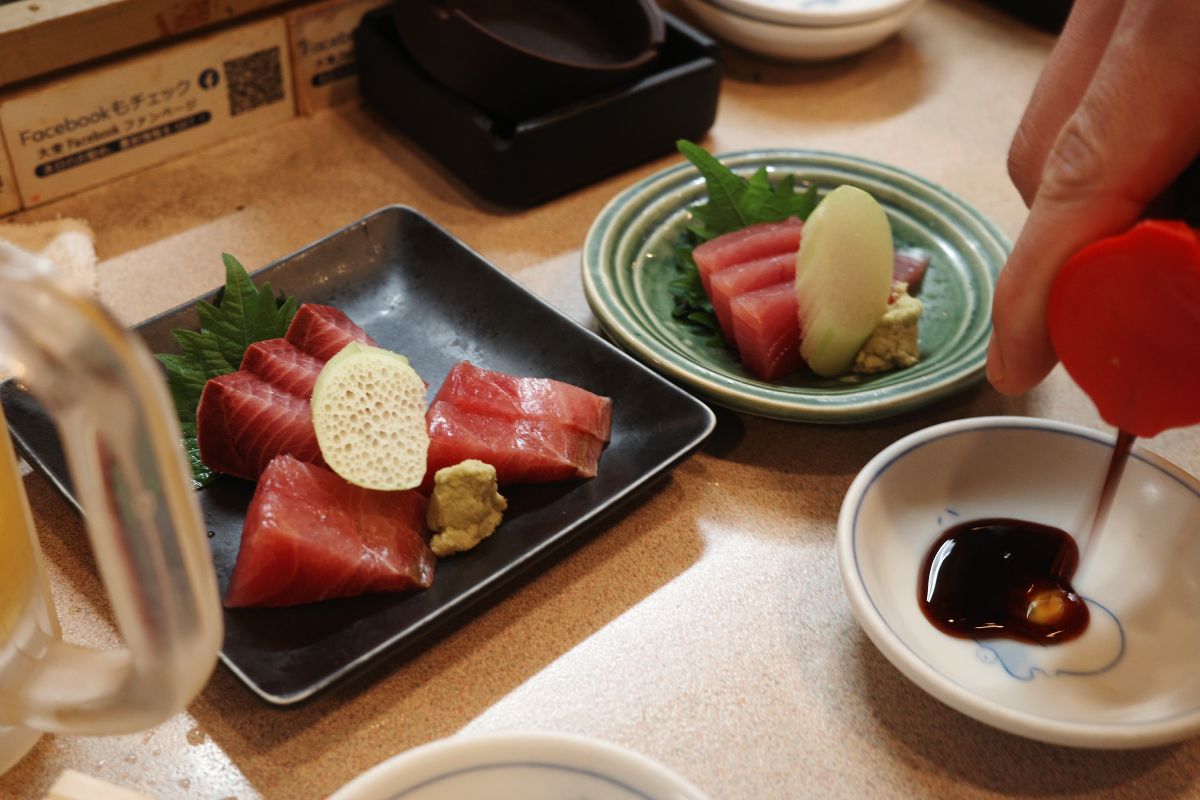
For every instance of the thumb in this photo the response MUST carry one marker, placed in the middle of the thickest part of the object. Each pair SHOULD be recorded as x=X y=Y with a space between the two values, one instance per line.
x=1134 y=130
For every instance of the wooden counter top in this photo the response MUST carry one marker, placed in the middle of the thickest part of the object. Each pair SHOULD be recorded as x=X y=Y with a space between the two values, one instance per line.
x=706 y=627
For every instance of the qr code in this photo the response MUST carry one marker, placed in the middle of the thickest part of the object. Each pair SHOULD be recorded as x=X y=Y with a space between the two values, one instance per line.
x=255 y=80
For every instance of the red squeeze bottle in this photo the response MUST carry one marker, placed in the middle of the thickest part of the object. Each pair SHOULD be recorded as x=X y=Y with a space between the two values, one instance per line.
x=1124 y=318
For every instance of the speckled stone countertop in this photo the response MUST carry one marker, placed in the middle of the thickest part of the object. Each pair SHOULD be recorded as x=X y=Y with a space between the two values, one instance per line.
x=706 y=627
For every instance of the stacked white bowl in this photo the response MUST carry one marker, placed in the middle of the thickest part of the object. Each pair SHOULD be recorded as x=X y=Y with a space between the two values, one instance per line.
x=804 y=30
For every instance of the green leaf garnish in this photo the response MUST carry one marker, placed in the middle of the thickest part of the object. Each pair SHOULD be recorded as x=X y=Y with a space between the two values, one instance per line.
x=244 y=315
x=723 y=212
x=202 y=475
x=733 y=203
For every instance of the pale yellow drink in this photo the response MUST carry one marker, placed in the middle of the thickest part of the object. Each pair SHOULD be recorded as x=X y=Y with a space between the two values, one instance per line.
x=26 y=614
x=17 y=563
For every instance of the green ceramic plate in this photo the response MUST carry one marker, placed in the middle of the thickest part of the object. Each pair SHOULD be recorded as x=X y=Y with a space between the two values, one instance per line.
x=627 y=265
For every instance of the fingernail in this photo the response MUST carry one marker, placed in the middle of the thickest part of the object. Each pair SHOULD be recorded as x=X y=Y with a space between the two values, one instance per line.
x=995 y=364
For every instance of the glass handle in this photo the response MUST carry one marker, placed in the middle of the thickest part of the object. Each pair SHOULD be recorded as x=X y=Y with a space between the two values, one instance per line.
x=122 y=443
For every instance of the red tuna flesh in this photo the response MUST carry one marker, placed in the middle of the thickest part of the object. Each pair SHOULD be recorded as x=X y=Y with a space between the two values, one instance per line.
x=309 y=536
x=766 y=327
x=243 y=422
x=737 y=280
x=909 y=265
x=522 y=450
x=485 y=391
x=248 y=417
x=748 y=244
x=282 y=364
x=322 y=331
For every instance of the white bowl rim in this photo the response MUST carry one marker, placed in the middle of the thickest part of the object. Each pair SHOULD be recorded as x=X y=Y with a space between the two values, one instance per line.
x=480 y=748
x=799 y=42
x=916 y=669
x=760 y=11
x=890 y=22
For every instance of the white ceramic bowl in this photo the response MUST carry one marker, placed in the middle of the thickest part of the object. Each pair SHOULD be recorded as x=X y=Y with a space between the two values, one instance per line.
x=1130 y=680
x=799 y=42
x=518 y=766
x=814 y=12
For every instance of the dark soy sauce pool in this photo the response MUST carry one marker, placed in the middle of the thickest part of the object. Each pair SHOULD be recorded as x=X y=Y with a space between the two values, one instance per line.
x=1008 y=578
x=996 y=578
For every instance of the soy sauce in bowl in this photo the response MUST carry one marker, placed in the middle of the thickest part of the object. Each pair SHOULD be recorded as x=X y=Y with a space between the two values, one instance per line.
x=1003 y=578
x=1009 y=578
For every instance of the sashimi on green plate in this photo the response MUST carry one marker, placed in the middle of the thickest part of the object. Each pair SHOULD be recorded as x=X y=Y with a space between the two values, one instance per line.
x=670 y=323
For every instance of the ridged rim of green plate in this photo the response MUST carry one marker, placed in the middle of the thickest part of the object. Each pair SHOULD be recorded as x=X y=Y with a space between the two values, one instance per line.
x=626 y=268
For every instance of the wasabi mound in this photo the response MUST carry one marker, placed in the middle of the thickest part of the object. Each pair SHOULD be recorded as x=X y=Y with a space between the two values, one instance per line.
x=465 y=507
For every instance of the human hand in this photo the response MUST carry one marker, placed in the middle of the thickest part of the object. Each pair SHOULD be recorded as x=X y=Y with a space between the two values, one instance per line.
x=1115 y=116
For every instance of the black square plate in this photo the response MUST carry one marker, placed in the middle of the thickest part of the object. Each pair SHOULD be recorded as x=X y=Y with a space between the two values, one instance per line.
x=421 y=292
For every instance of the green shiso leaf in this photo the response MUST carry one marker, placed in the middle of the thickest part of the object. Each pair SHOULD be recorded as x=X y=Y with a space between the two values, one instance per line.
x=723 y=211
x=201 y=474
x=733 y=203
x=244 y=315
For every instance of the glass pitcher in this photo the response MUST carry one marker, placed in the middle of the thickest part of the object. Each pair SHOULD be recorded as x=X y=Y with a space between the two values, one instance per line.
x=121 y=440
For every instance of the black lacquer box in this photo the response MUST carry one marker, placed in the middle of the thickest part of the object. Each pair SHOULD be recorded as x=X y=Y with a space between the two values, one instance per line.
x=521 y=163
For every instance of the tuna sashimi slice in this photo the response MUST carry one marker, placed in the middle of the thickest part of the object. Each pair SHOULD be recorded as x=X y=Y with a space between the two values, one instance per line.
x=322 y=331
x=737 y=280
x=522 y=450
x=248 y=417
x=485 y=391
x=748 y=244
x=309 y=536
x=766 y=327
x=243 y=422
x=908 y=265
x=282 y=364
